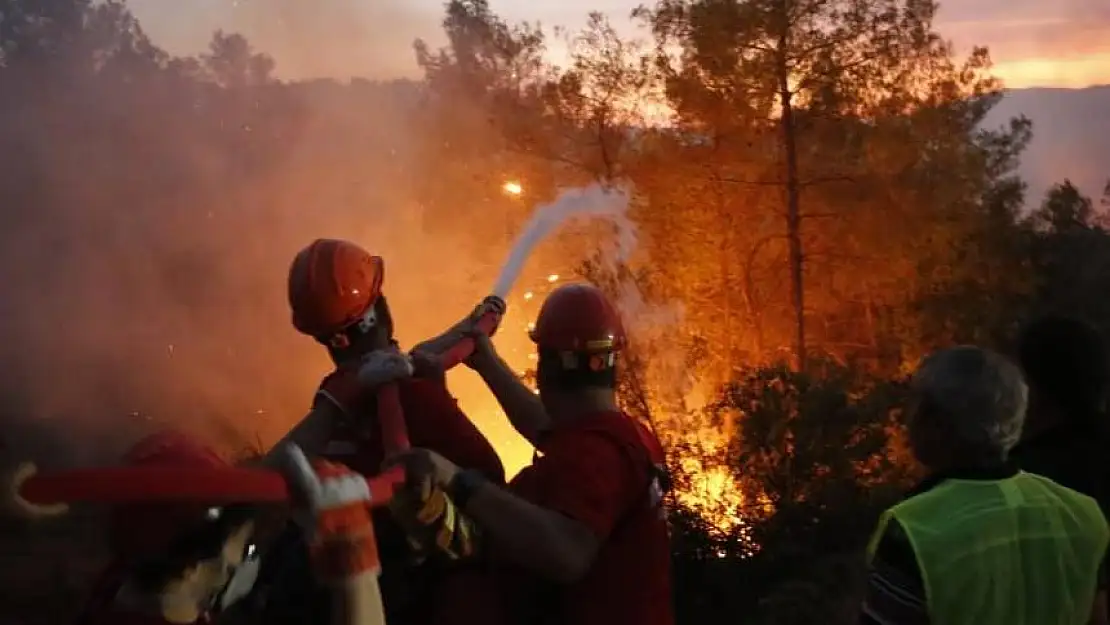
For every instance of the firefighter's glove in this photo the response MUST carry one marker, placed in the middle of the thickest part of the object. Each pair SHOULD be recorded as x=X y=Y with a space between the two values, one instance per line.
x=483 y=356
x=433 y=523
x=490 y=305
x=341 y=537
x=436 y=526
x=384 y=366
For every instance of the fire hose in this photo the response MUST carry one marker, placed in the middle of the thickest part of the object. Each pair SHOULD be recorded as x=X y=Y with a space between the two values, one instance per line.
x=117 y=485
x=122 y=485
x=395 y=437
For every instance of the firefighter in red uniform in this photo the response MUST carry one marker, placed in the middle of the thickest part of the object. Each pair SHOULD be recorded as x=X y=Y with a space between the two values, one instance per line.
x=182 y=563
x=582 y=528
x=335 y=293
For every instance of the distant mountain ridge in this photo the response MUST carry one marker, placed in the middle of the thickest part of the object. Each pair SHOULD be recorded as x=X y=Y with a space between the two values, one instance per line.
x=1071 y=127
x=1071 y=136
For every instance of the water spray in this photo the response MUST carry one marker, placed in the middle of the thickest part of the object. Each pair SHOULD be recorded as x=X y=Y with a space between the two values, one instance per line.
x=590 y=202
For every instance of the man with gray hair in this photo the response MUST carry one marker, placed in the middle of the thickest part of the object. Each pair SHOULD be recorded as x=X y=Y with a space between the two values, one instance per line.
x=980 y=542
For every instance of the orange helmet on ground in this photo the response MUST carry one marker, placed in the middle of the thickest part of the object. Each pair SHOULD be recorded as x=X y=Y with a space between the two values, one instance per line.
x=140 y=530
x=578 y=318
x=332 y=285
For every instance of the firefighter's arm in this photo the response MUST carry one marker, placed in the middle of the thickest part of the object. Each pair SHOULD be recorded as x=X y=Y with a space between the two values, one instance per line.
x=358 y=601
x=341 y=538
x=311 y=434
x=520 y=403
x=547 y=542
x=452 y=336
x=558 y=540
x=440 y=344
x=583 y=491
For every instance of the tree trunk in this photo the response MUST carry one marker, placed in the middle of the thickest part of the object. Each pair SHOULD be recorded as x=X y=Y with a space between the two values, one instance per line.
x=793 y=214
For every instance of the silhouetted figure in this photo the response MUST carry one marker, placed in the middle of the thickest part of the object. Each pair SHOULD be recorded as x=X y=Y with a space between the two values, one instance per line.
x=1065 y=366
x=335 y=296
x=980 y=542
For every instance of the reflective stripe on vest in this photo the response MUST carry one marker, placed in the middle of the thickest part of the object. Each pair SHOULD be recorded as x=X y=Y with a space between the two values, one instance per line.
x=1018 y=551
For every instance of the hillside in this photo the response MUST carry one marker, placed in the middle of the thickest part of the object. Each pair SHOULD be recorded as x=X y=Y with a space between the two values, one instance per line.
x=1071 y=136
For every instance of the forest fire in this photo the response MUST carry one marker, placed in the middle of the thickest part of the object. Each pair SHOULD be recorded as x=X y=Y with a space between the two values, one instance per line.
x=794 y=219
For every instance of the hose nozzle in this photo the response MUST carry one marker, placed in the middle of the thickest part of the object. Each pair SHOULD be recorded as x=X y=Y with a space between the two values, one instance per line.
x=485 y=319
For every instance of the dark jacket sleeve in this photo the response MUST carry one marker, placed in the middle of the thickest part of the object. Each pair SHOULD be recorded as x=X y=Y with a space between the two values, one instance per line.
x=895 y=590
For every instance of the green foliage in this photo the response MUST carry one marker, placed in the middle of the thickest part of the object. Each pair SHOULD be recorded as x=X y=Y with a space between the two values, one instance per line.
x=816 y=447
x=817 y=455
x=1064 y=210
x=810 y=437
x=1069 y=248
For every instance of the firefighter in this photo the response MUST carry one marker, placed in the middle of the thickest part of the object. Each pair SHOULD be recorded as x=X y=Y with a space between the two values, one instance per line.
x=182 y=563
x=335 y=294
x=579 y=536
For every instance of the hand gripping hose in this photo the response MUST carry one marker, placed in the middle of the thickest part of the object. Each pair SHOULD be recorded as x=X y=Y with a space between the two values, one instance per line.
x=394 y=433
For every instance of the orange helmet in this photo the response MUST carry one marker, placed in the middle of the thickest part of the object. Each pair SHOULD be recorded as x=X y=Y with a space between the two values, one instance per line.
x=579 y=318
x=333 y=284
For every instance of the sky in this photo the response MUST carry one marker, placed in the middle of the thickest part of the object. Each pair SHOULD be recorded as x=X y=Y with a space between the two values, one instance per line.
x=1047 y=43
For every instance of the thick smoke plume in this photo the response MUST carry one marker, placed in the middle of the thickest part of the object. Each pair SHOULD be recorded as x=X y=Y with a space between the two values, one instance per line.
x=147 y=221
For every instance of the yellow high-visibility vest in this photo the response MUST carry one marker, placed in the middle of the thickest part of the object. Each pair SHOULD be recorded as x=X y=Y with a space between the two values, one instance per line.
x=1018 y=551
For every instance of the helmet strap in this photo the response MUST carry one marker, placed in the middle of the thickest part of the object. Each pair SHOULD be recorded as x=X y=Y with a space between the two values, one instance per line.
x=375 y=316
x=577 y=370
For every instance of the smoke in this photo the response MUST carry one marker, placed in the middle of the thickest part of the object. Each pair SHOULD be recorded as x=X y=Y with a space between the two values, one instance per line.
x=147 y=225
x=325 y=38
x=338 y=38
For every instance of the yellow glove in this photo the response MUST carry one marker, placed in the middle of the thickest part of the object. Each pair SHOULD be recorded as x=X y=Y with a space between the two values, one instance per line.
x=432 y=521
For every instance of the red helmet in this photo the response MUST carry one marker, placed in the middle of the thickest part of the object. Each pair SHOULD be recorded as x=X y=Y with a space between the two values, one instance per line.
x=332 y=284
x=172 y=449
x=579 y=318
x=138 y=530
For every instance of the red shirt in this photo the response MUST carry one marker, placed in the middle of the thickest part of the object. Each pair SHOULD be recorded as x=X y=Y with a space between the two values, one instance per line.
x=600 y=472
x=432 y=415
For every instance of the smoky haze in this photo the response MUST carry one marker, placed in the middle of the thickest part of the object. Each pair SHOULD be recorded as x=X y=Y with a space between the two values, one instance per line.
x=147 y=222
x=334 y=38
x=337 y=37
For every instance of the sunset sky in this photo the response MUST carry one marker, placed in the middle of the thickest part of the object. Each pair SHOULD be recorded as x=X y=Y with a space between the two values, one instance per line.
x=1034 y=42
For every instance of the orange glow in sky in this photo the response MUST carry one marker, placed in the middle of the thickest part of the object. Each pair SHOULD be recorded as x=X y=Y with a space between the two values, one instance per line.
x=1062 y=43
x=1073 y=72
